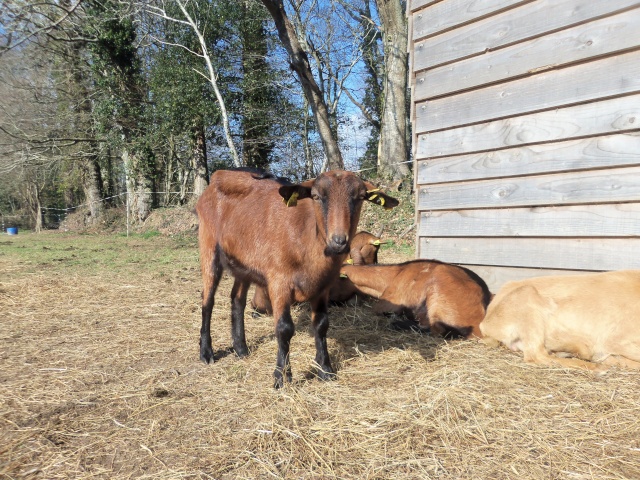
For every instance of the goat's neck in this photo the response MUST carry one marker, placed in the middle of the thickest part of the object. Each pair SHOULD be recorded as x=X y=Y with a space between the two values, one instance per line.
x=371 y=279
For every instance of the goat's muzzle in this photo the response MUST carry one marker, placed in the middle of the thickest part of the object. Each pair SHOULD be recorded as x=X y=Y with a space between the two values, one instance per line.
x=337 y=245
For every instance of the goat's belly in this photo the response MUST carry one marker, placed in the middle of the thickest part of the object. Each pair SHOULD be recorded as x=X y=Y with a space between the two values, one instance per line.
x=241 y=271
x=307 y=287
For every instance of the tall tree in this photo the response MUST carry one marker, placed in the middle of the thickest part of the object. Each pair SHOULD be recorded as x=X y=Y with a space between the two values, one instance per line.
x=183 y=103
x=121 y=99
x=74 y=53
x=383 y=42
x=392 y=149
x=53 y=31
x=299 y=62
x=190 y=15
x=258 y=92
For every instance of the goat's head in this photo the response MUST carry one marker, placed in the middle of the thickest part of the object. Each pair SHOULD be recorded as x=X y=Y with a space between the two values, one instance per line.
x=337 y=200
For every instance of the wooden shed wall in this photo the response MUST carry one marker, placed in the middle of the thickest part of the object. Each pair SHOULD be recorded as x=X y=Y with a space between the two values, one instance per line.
x=526 y=125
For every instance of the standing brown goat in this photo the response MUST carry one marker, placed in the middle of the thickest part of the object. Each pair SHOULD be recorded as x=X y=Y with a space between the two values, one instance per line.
x=364 y=251
x=449 y=299
x=294 y=248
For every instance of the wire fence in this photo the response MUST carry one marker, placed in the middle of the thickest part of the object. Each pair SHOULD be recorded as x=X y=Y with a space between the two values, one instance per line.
x=53 y=220
x=53 y=217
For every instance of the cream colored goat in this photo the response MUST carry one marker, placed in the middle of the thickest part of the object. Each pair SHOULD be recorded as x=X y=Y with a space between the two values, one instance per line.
x=594 y=317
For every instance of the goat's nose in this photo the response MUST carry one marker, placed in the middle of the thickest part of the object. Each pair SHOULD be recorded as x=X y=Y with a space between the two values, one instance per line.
x=339 y=240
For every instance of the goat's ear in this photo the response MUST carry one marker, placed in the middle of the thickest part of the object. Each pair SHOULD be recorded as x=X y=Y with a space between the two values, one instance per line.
x=292 y=193
x=375 y=195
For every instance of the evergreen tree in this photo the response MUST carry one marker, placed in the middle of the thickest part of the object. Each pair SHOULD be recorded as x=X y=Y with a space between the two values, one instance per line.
x=121 y=99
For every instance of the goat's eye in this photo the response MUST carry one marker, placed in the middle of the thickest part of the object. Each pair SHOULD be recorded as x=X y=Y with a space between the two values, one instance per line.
x=315 y=196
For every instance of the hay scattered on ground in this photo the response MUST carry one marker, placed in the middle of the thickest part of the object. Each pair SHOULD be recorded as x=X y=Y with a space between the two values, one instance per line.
x=100 y=378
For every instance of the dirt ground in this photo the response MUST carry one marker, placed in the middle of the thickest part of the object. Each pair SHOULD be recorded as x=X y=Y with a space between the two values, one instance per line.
x=101 y=378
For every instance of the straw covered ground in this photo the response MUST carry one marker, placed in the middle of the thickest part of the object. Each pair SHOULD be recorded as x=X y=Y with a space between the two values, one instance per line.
x=101 y=378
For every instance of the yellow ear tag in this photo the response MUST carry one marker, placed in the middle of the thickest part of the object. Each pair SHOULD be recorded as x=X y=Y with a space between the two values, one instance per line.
x=382 y=201
x=349 y=261
x=376 y=242
x=293 y=200
x=343 y=275
x=372 y=197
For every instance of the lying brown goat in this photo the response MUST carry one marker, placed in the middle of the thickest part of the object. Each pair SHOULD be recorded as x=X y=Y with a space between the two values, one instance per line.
x=364 y=251
x=449 y=299
x=294 y=248
x=595 y=317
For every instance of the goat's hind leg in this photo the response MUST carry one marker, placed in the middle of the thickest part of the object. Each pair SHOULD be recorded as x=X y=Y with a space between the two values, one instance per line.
x=211 y=275
x=238 y=303
x=320 y=323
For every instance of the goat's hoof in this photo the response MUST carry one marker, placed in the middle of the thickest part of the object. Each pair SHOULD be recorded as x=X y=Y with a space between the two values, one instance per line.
x=280 y=379
x=207 y=356
x=241 y=352
x=326 y=375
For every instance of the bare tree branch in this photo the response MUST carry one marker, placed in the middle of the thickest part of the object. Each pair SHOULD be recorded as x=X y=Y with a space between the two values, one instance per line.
x=42 y=29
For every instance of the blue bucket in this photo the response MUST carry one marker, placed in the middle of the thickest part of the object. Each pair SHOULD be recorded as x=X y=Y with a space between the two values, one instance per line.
x=12 y=230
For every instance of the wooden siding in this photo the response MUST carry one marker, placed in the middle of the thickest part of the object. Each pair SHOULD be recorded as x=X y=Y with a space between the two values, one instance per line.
x=526 y=125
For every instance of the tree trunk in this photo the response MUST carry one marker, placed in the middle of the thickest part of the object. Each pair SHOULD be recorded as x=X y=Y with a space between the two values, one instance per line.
x=89 y=167
x=33 y=200
x=38 y=211
x=139 y=187
x=392 y=148
x=300 y=64
x=199 y=161
x=308 y=166
x=92 y=185
x=168 y=177
x=108 y=184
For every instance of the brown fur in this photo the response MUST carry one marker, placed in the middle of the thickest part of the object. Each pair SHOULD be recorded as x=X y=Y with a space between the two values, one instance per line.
x=364 y=251
x=295 y=251
x=594 y=317
x=447 y=298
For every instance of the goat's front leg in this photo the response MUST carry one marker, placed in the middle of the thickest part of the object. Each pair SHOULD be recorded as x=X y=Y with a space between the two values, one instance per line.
x=320 y=323
x=238 y=303
x=284 y=332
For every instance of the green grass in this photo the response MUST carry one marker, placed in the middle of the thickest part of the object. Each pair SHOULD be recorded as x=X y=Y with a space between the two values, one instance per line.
x=73 y=253
x=401 y=248
x=146 y=234
x=81 y=254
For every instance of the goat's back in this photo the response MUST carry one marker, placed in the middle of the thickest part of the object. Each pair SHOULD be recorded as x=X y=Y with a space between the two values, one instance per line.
x=594 y=297
x=453 y=296
x=247 y=214
x=590 y=316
